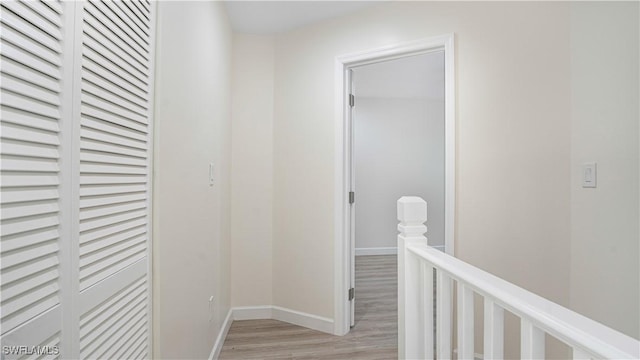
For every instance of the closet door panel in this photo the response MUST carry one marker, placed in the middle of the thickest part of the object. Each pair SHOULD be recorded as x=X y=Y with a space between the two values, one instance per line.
x=34 y=103
x=75 y=124
x=114 y=167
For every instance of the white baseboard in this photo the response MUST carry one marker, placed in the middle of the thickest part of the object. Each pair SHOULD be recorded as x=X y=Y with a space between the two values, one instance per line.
x=283 y=314
x=252 y=312
x=310 y=321
x=376 y=251
x=217 y=346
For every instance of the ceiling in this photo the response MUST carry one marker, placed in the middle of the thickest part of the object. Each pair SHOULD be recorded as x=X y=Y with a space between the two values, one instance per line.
x=270 y=17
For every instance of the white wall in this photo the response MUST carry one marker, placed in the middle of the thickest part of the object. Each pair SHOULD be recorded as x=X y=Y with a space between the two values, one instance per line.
x=252 y=170
x=398 y=145
x=511 y=220
x=191 y=218
x=605 y=275
x=399 y=150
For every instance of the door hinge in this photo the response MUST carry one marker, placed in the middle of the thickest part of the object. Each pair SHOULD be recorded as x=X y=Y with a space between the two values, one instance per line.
x=352 y=197
x=352 y=100
x=352 y=294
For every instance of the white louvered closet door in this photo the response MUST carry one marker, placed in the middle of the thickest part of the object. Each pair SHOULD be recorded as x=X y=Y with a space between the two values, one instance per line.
x=35 y=229
x=114 y=180
x=76 y=80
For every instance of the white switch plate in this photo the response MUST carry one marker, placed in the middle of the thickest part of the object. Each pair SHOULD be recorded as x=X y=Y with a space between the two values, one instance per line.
x=211 y=172
x=589 y=175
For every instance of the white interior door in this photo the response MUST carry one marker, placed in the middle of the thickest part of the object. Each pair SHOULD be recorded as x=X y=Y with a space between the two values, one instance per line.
x=352 y=207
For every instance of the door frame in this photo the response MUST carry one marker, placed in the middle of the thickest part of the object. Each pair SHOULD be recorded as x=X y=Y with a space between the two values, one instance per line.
x=343 y=145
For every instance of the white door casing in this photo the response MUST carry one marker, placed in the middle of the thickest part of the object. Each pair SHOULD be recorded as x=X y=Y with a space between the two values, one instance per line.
x=344 y=214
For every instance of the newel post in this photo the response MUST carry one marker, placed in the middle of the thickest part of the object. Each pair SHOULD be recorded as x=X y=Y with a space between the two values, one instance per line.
x=412 y=214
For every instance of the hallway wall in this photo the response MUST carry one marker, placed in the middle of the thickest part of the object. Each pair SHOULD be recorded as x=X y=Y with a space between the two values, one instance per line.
x=252 y=170
x=513 y=154
x=605 y=119
x=191 y=250
x=533 y=103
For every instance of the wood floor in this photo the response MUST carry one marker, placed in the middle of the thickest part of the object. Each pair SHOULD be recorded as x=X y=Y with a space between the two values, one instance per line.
x=374 y=336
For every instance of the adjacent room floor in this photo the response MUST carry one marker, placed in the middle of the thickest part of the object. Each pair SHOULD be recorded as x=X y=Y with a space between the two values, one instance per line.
x=374 y=336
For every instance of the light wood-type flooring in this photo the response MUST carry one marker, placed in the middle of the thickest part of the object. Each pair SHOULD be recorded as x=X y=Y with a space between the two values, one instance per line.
x=374 y=336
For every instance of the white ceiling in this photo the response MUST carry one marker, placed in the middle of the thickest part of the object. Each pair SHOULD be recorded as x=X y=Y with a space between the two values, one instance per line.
x=420 y=76
x=269 y=17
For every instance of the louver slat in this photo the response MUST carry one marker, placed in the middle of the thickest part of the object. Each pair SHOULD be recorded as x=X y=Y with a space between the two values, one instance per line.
x=45 y=12
x=98 y=101
x=103 y=70
x=116 y=90
x=23 y=57
x=112 y=98
x=128 y=140
x=28 y=104
x=28 y=119
x=97 y=243
x=12 y=20
x=87 y=226
x=54 y=5
x=35 y=18
x=91 y=110
x=105 y=58
x=111 y=31
x=135 y=14
x=26 y=89
x=26 y=240
x=30 y=46
x=112 y=189
x=118 y=319
x=107 y=147
x=29 y=150
x=141 y=29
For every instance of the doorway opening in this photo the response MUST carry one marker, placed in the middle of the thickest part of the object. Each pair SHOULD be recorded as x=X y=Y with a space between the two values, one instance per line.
x=374 y=87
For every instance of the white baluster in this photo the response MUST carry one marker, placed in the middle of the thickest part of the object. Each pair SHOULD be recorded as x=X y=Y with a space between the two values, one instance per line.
x=531 y=341
x=493 y=330
x=412 y=213
x=465 y=322
x=443 y=315
x=427 y=310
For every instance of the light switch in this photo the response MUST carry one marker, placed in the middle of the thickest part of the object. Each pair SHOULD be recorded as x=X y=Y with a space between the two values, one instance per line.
x=211 y=172
x=589 y=175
